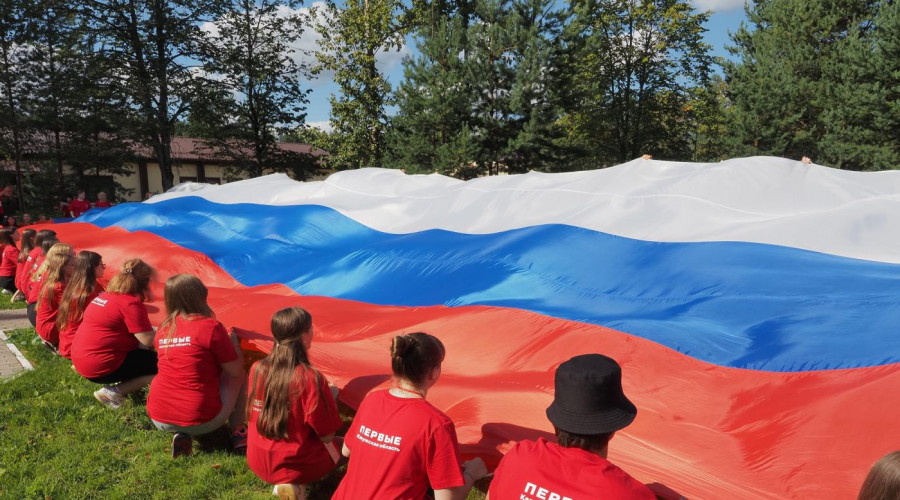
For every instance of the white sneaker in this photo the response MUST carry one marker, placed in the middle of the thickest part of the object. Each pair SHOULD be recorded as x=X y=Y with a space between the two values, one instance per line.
x=109 y=397
x=4 y=291
x=18 y=296
x=290 y=491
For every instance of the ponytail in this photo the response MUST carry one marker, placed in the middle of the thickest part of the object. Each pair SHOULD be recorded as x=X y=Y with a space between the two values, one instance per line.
x=27 y=244
x=133 y=279
x=276 y=374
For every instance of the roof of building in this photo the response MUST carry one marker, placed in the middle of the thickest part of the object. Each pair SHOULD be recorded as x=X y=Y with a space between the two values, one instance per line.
x=193 y=149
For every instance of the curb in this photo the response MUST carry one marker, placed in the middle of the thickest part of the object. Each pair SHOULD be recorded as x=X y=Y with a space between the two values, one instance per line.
x=26 y=365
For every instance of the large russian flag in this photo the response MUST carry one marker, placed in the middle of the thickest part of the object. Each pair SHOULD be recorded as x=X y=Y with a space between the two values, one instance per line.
x=753 y=303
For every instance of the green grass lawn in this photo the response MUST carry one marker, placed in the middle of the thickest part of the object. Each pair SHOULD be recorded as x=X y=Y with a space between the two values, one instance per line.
x=57 y=442
x=6 y=304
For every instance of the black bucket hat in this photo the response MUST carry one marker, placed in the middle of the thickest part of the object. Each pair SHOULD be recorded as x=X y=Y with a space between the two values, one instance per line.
x=588 y=398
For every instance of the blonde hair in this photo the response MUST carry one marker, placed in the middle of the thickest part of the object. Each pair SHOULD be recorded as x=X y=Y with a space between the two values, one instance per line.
x=133 y=279
x=55 y=262
x=56 y=249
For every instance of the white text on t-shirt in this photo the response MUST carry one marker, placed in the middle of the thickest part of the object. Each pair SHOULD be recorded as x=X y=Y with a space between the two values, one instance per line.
x=533 y=491
x=174 y=342
x=378 y=439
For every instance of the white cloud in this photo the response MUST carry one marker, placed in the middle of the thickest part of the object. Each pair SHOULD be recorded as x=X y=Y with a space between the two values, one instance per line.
x=718 y=5
x=305 y=47
x=324 y=126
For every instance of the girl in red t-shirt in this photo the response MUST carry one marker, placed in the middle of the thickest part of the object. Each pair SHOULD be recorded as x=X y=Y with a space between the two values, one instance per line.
x=59 y=266
x=293 y=416
x=33 y=281
x=114 y=343
x=399 y=444
x=9 y=258
x=201 y=380
x=26 y=245
x=102 y=202
x=82 y=288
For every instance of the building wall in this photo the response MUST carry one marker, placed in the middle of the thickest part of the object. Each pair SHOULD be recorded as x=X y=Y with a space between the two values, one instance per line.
x=132 y=182
x=154 y=177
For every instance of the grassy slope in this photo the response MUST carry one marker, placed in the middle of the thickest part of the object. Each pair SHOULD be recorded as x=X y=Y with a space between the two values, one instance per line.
x=57 y=442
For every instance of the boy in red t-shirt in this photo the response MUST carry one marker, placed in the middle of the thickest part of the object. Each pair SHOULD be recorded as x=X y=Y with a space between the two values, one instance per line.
x=79 y=205
x=588 y=408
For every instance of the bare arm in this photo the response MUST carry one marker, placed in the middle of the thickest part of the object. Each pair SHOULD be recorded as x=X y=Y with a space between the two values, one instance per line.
x=233 y=368
x=146 y=338
x=472 y=471
x=345 y=451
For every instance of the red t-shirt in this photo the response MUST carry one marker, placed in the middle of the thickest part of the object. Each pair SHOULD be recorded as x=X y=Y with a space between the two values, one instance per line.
x=302 y=457
x=102 y=204
x=33 y=288
x=78 y=207
x=186 y=389
x=540 y=469
x=23 y=280
x=9 y=260
x=46 y=315
x=27 y=269
x=399 y=447
x=106 y=334
x=67 y=334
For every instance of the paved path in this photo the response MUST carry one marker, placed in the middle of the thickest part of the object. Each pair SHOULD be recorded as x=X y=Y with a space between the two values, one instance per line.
x=11 y=360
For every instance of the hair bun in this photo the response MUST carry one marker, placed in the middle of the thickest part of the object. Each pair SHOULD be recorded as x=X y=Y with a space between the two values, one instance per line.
x=401 y=346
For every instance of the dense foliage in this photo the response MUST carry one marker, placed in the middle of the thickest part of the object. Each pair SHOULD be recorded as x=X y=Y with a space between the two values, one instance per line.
x=491 y=86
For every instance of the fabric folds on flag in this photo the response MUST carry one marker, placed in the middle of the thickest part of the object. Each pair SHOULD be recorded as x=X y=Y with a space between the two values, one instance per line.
x=751 y=302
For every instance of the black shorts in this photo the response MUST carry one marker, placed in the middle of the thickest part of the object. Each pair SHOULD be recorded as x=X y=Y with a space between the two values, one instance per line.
x=8 y=283
x=32 y=313
x=138 y=363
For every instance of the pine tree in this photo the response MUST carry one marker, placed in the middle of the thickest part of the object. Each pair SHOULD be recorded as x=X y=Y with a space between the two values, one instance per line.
x=806 y=84
x=888 y=58
x=13 y=84
x=430 y=131
x=537 y=93
x=636 y=66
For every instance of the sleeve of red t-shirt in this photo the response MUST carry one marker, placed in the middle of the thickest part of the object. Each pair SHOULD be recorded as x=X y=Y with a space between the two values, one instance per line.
x=324 y=418
x=12 y=254
x=442 y=460
x=136 y=318
x=221 y=346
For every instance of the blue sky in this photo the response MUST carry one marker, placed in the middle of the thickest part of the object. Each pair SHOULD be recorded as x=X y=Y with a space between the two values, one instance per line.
x=727 y=16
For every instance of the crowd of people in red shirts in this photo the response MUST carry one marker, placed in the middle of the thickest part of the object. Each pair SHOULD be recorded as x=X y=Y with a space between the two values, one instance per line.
x=283 y=414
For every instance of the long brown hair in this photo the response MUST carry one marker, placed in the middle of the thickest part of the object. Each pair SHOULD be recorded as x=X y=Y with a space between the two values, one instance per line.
x=278 y=373
x=415 y=355
x=6 y=237
x=883 y=481
x=46 y=247
x=27 y=244
x=56 y=261
x=81 y=286
x=133 y=279
x=184 y=295
x=43 y=234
